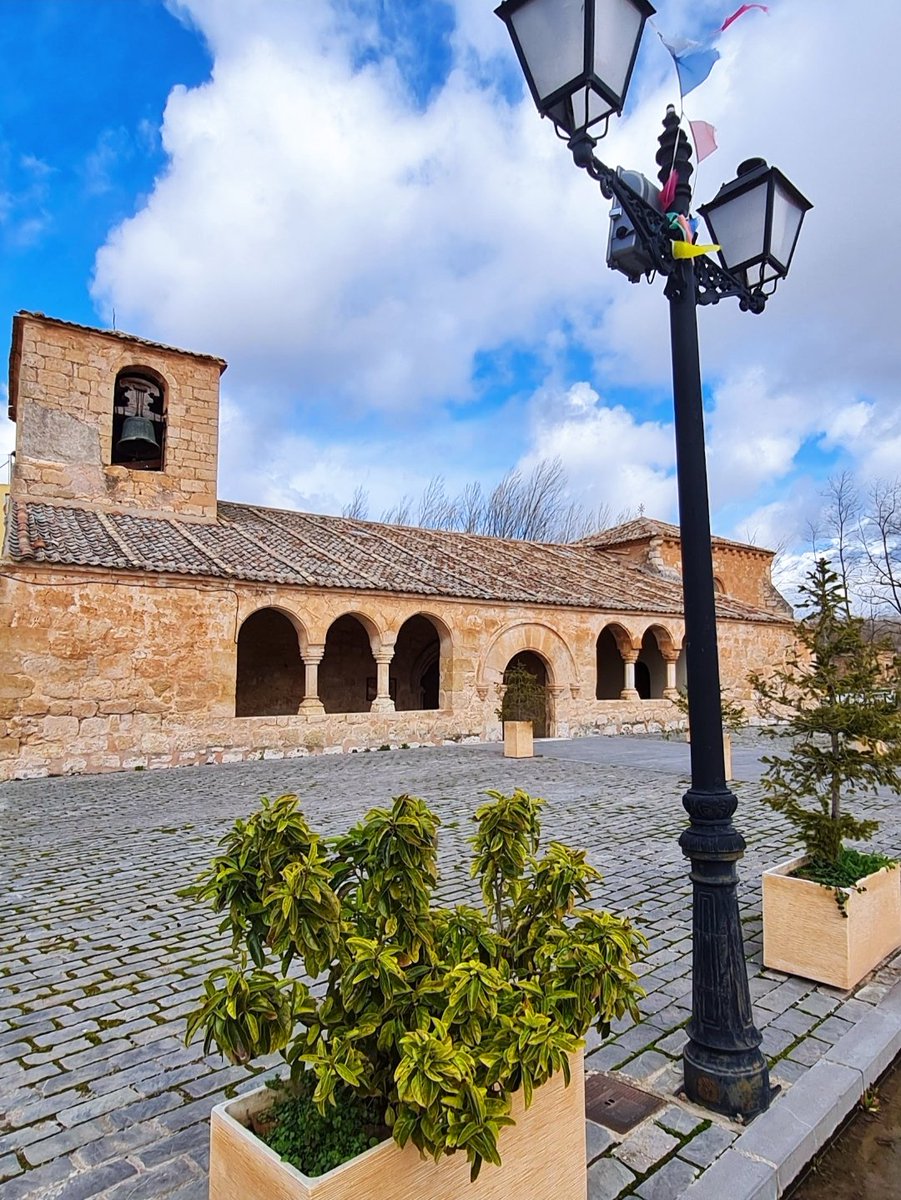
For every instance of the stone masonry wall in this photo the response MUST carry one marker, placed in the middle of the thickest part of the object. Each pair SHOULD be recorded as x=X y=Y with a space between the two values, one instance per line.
x=104 y=672
x=62 y=388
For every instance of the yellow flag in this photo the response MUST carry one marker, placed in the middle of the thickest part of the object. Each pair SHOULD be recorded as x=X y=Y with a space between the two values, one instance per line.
x=687 y=250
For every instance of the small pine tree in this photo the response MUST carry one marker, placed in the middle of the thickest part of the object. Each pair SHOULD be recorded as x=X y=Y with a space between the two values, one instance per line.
x=524 y=699
x=833 y=698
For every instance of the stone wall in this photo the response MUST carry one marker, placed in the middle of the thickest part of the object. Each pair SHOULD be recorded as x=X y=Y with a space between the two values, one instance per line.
x=103 y=672
x=62 y=381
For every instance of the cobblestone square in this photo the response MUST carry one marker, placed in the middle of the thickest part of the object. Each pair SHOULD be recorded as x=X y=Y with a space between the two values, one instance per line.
x=101 y=960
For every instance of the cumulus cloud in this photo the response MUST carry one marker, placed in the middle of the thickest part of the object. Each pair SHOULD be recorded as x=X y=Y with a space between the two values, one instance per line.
x=355 y=249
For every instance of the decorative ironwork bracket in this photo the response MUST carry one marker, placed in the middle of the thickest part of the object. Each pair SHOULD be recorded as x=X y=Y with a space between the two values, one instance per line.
x=711 y=282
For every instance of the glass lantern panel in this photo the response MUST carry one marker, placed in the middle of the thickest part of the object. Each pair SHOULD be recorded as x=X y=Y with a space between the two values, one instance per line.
x=787 y=217
x=617 y=28
x=551 y=36
x=739 y=225
x=579 y=110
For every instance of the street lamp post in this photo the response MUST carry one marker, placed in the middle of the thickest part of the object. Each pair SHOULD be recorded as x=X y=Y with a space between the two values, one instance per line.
x=578 y=56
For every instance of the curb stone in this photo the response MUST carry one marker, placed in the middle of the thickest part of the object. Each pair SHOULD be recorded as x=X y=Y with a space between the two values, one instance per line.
x=769 y=1156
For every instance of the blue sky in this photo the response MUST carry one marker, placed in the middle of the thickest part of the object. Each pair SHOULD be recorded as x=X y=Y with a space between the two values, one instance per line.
x=354 y=203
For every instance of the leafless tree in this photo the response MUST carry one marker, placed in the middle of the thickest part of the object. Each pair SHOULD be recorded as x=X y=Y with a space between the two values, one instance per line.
x=534 y=507
x=861 y=535
x=358 y=507
x=880 y=527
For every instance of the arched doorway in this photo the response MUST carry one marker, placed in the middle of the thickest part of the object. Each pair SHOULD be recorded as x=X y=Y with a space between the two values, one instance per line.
x=609 y=660
x=650 y=670
x=416 y=666
x=270 y=676
x=347 y=673
x=531 y=662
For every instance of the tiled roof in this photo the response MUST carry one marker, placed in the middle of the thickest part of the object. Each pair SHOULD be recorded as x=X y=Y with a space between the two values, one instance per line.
x=309 y=550
x=644 y=527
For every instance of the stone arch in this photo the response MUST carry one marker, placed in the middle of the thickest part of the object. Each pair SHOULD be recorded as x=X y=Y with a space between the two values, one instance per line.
x=543 y=640
x=650 y=668
x=419 y=666
x=613 y=645
x=141 y=397
x=537 y=666
x=269 y=674
x=347 y=672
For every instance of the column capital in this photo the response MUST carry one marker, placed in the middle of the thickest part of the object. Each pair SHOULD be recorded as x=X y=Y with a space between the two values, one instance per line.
x=314 y=653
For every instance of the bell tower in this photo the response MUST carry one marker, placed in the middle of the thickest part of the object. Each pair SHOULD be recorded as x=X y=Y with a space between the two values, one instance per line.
x=111 y=421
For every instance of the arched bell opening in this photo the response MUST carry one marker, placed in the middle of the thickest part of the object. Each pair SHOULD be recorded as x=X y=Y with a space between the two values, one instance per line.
x=139 y=420
x=348 y=676
x=416 y=666
x=650 y=669
x=609 y=659
x=536 y=666
x=270 y=674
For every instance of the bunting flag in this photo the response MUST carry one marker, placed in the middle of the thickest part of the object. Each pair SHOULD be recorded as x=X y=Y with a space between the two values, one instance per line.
x=740 y=13
x=668 y=191
x=694 y=62
x=704 y=136
x=687 y=250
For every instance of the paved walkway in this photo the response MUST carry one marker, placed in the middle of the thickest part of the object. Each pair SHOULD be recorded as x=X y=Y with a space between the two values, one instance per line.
x=100 y=961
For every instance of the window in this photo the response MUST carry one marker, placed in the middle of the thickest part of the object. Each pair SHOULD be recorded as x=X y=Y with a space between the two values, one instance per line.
x=139 y=422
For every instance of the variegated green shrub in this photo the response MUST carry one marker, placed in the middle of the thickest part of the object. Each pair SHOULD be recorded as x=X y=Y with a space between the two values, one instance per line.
x=440 y=1014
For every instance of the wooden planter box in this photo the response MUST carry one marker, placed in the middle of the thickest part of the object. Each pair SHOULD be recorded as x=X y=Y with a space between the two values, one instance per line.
x=805 y=934
x=518 y=741
x=543 y=1156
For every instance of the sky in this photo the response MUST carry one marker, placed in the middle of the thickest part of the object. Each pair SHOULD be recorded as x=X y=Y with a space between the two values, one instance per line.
x=356 y=204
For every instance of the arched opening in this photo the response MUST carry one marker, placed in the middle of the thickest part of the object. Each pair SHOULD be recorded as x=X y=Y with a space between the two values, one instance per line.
x=650 y=670
x=139 y=421
x=718 y=586
x=347 y=673
x=416 y=666
x=610 y=675
x=531 y=662
x=270 y=675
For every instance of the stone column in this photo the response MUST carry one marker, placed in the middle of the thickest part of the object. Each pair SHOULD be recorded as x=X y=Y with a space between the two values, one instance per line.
x=311 y=660
x=383 y=702
x=629 y=691
x=670 y=692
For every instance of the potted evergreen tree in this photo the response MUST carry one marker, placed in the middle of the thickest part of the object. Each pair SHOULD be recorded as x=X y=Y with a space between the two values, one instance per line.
x=524 y=702
x=429 y=1029
x=834 y=913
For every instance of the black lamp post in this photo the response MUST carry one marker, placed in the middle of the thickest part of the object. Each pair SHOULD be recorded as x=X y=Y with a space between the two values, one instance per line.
x=577 y=56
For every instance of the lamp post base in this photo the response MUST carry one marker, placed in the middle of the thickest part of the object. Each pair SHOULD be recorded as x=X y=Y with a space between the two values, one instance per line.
x=728 y=1082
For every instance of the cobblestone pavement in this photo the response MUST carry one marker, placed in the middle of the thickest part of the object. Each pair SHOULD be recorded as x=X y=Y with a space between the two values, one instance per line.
x=100 y=960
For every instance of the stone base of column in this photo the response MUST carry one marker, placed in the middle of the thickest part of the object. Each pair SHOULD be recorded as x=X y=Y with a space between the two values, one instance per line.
x=311 y=706
x=670 y=693
x=382 y=704
x=729 y=1082
x=629 y=694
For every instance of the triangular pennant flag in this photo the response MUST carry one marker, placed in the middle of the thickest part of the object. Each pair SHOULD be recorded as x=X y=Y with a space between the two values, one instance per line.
x=668 y=191
x=686 y=250
x=740 y=13
x=694 y=62
x=704 y=136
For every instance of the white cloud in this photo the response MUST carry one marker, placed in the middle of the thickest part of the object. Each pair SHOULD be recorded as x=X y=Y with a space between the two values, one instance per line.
x=610 y=457
x=352 y=252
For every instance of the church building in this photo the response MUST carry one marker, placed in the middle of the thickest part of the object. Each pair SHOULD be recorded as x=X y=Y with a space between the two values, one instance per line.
x=146 y=623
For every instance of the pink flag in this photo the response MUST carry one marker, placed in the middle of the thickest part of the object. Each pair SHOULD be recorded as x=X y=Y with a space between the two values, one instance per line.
x=704 y=138
x=740 y=13
x=668 y=191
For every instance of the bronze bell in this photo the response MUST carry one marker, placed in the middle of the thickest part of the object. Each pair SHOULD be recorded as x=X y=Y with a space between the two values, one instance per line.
x=138 y=441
